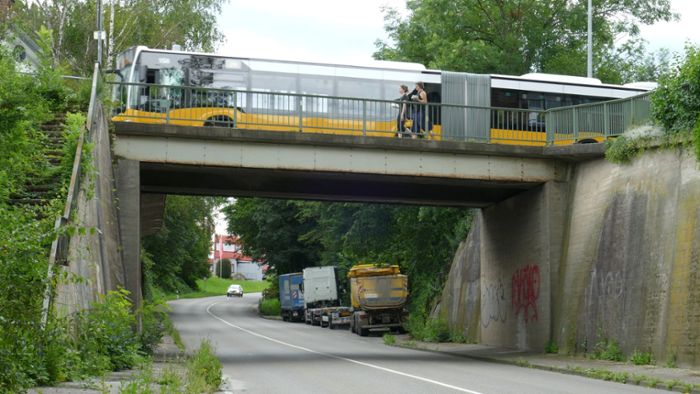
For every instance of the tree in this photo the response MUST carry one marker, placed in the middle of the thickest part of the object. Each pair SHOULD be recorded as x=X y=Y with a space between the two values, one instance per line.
x=422 y=240
x=676 y=102
x=272 y=230
x=223 y=269
x=189 y=23
x=179 y=251
x=514 y=36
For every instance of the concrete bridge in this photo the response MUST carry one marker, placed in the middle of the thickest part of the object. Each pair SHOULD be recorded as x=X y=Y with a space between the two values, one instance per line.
x=544 y=226
x=156 y=160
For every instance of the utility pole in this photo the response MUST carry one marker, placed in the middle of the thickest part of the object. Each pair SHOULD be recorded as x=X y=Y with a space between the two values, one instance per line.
x=590 y=39
x=99 y=34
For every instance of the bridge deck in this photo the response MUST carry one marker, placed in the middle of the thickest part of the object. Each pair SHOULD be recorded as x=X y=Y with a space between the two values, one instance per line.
x=229 y=162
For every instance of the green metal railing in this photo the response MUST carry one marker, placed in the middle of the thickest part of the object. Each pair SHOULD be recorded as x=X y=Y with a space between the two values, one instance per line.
x=599 y=120
x=259 y=110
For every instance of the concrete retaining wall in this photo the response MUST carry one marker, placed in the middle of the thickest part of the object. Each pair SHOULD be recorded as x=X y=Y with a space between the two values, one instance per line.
x=632 y=267
x=94 y=262
x=614 y=253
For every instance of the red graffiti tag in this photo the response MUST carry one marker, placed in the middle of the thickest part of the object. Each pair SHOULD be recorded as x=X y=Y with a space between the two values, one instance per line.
x=525 y=290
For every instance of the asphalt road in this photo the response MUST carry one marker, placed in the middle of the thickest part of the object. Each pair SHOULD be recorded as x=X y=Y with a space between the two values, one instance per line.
x=270 y=356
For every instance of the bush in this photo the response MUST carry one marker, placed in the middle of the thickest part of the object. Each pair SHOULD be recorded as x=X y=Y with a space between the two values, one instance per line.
x=223 y=269
x=641 y=358
x=676 y=102
x=389 y=339
x=607 y=349
x=270 y=307
x=204 y=370
x=154 y=323
x=106 y=337
x=551 y=347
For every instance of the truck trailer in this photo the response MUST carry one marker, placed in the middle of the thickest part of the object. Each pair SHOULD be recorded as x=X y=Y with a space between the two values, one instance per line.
x=378 y=295
x=292 y=296
x=321 y=298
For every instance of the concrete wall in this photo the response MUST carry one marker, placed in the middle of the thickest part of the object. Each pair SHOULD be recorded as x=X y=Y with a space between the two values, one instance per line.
x=460 y=304
x=93 y=253
x=613 y=253
x=520 y=249
x=631 y=271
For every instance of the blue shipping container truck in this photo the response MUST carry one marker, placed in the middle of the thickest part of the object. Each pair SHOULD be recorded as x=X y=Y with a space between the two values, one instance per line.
x=292 y=297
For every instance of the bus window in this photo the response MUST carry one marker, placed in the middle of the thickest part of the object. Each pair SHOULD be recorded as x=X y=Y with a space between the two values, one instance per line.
x=316 y=85
x=277 y=83
x=361 y=88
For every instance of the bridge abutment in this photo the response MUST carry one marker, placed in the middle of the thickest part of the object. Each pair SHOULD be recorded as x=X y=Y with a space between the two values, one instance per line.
x=129 y=194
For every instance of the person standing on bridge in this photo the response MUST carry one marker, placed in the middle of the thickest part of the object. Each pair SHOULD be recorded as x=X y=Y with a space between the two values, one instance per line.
x=418 y=115
x=403 y=109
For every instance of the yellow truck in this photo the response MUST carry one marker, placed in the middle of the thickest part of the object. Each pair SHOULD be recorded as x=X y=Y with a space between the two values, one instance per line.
x=378 y=294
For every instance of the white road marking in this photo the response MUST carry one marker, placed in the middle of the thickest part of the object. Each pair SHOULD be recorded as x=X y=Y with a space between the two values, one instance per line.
x=449 y=386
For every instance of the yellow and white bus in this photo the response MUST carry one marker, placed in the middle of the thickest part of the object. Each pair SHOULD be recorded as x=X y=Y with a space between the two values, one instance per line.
x=200 y=89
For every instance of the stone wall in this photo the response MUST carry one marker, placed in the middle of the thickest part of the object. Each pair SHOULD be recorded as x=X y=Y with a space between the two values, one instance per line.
x=613 y=253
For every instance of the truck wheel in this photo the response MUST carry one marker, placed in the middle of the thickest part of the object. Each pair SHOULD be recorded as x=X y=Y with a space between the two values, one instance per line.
x=284 y=317
x=363 y=331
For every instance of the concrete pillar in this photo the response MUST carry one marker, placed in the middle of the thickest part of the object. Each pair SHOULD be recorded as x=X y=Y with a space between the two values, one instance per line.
x=129 y=194
x=520 y=257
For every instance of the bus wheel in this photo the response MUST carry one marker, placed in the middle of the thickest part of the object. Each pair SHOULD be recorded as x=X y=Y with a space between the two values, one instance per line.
x=219 y=121
x=587 y=141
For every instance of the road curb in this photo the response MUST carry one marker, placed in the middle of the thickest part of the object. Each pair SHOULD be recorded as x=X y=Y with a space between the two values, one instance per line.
x=568 y=371
x=270 y=317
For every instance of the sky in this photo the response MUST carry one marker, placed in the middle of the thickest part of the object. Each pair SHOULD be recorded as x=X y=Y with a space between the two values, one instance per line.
x=345 y=31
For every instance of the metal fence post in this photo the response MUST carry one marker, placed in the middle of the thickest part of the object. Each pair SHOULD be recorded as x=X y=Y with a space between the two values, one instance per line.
x=575 y=124
x=606 y=121
x=235 y=109
x=364 y=117
x=549 y=128
x=633 y=117
x=301 y=115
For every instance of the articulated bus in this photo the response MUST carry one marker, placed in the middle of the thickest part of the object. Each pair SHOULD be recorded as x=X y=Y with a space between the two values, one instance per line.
x=198 y=89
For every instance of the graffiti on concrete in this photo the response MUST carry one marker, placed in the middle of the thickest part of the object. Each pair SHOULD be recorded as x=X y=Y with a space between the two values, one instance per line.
x=525 y=289
x=494 y=303
x=608 y=284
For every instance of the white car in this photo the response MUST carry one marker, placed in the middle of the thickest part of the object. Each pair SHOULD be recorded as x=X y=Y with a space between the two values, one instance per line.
x=234 y=290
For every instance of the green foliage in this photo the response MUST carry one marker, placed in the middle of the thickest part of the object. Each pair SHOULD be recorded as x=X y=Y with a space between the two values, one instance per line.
x=653 y=382
x=696 y=138
x=607 y=349
x=28 y=354
x=292 y=235
x=623 y=149
x=468 y=35
x=551 y=347
x=274 y=230
x=671 y=361
x=676 y=102
x=152 y=24
x=670 y=384
x=105 y=334
x=389 y=339
x=270 y=307
x=154 y=323
x=222 y=269
x=641 y=358
x=204 y=370
x=178 y=253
